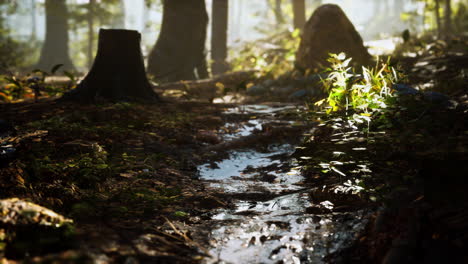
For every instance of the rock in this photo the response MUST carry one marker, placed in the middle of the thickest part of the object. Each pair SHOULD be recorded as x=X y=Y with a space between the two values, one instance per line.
x=18 y=212
x=298 y=94
x=257 y=90
x=29 y=229
x=303 y=94
x=328 y=30
x=316 y=78
x=282 y=90
x=434 y=98
x=403 y=89
x=439 y=99
x=268 y=83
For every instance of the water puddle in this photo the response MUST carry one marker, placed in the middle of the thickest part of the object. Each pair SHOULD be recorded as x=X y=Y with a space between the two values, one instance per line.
x=259 y=109
x=280 y=229
x=236 y=130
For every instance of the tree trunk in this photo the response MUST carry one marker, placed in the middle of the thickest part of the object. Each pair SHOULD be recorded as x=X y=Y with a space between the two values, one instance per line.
x=33 y=21
x=55 y=49
x=119 y=20
x=279 y=12
x=447 y=18
x=299 y=10
x=179 y=53
x=437 y=15
x=219 y=36
x=118 y=72
x=90 y=17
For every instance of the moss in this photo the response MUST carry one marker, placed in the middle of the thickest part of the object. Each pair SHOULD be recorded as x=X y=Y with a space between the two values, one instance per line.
x=83 y=210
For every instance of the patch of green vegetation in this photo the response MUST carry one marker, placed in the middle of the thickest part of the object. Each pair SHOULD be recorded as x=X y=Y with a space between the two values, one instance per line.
x=33 y=85
x=376 y=141
x=272 y=56
x=181 y=214
x=83 y=169
x=83 y=210
x=359 y=97
x=144 y=199
x=118 y=211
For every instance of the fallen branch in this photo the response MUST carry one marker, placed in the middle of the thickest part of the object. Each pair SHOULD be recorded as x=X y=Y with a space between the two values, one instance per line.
x=210 y=88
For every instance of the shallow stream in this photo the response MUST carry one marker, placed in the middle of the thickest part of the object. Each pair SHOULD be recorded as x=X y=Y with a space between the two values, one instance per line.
x=270 y=222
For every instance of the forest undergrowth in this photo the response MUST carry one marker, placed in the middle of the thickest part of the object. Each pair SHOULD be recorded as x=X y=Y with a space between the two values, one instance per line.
x=125 y=173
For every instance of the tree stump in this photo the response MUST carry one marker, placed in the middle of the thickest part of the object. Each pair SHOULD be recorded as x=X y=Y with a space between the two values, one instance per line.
x=329 y=31
x=118 y=72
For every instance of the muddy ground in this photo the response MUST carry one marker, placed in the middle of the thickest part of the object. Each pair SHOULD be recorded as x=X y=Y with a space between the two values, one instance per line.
x=189 y=182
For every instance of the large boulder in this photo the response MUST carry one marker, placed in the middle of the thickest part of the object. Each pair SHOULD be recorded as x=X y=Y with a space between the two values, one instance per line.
x=329 y=31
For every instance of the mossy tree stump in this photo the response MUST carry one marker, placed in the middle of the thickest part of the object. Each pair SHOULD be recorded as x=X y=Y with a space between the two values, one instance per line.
x=118 y=72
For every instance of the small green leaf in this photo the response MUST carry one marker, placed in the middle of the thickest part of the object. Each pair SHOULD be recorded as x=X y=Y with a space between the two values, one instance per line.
x=180 y=214
x=102 y=166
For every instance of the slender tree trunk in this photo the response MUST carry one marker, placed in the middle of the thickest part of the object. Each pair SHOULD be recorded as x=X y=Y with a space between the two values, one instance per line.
x=55 y=49
x=447 y=18
x=144 y=18
x=118 y=72
x=437 y=15
x=279 y=12
x=90 y=17
x=33 y=21
x=179 y=53
x=299 y=10
x=219 y=36
x=119 y=18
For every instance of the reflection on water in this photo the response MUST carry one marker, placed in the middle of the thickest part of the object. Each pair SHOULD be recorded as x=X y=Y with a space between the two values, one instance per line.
x=259 y=109
x=277 y=230
x=243 y=130
x=290 y=237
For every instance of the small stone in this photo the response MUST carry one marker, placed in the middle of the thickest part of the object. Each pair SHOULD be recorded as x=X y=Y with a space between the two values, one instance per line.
x=257 y=90
x=268 y=83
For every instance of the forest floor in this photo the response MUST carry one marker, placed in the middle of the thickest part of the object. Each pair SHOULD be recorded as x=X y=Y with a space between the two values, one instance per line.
x=128 y=175
x=119 y=171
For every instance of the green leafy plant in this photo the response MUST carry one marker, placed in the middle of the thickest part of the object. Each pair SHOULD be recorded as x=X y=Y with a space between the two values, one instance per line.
x=359 y=96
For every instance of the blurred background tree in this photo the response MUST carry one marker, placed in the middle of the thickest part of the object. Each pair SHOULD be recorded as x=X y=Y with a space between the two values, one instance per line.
x=23 y=25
